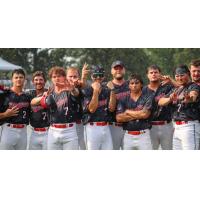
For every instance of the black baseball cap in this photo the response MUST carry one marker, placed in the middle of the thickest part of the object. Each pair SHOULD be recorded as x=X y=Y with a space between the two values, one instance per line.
x=182 y=69
x=97 y=69
x=117 y=63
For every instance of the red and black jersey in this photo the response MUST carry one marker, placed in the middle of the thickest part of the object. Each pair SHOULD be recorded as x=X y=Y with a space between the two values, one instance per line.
x=121 y=92
x=143 y=102
x=61 y=107
x=185 y=111
x=39 y=116
x=101 y=113
x=22 y=102
x=159 y=113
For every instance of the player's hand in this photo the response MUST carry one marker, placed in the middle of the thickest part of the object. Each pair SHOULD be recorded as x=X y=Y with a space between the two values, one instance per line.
x=11 y=112
x=173 y=97
x=110 y=85
x=48 y=92
x=66 y=86
x=85 y=71
x=187 y=98
x=165 y=79
x=96 y=86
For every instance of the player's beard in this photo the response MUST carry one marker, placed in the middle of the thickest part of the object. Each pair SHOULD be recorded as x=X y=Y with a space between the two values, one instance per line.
x=119 y=78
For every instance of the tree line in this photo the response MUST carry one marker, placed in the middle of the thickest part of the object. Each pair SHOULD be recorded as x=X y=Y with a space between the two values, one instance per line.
x=135 y=59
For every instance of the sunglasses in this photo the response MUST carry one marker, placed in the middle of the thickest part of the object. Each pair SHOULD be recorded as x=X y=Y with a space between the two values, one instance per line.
x=98 y=75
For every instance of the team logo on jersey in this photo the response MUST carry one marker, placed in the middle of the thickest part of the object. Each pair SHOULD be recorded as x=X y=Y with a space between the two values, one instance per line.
x=37 y=108
x=122 y=95
x=19 y=105
x=62 y=102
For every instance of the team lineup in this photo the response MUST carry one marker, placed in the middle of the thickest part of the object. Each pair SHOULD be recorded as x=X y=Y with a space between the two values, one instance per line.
x=120 y=114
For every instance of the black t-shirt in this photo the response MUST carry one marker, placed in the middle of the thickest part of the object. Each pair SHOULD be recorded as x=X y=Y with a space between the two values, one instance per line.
x=159 y=113
x=185 y=111
x=143 y=102
x=61 y=107
x=39 y=117
x=22 y=102
x=101 y=113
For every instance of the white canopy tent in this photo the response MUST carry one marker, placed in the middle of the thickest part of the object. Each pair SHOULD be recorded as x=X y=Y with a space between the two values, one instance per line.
x=6 y=66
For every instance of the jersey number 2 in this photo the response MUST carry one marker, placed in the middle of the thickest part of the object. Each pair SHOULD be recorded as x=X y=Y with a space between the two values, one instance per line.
x=24 y=114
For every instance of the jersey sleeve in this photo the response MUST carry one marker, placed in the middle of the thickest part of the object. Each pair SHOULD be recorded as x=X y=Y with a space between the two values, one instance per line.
x=48 y=102
x=87 y=96
x=169 y=93
x=194 y=87
x=149 y=102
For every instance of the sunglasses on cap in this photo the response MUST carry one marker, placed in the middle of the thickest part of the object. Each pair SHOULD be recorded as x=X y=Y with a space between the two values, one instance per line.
x=98 y=75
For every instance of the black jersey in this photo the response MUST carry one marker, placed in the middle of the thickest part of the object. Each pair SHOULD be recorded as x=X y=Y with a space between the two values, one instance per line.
x=39 y=116
x=61 y=107
x=3 y=106
x=78 y=109
x=185 y=111
x=159 y=113
x=22 y=102
x=144 y=102
x=102 y=112
x=121 y=92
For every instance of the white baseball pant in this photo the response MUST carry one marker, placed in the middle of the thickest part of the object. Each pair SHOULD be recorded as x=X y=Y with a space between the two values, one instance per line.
x=138 y=142
x=117 y=134
x=80 y=133
x=98 y=137
x=62 y=138
x=186 y=136
x=13 y=138
x=162 y=136
x=38 y=139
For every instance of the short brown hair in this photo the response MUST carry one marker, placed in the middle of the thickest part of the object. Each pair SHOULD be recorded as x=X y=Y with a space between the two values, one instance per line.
x=136 y=77
x=39 y=73
x=195 y=63
x=73 y=69
x=155 y=67
x=19 y=71
x=57 y=70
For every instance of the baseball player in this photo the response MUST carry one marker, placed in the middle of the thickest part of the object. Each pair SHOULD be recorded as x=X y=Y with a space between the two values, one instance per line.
x=61 y=102
x=121 y=88
x=14 y=131
x=184 y=101
x=195 y=75
x=133 y=111
x=99 y=100
x=73 y=77
x=39 y=118
x=162 y=128
x=5 y=113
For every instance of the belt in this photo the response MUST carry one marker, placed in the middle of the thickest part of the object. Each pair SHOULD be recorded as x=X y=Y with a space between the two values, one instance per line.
x=62 y=125
x=99 y=123
x=40 y=129
x=181 y=122
x=115 y=123
x=159 y=122
x=136 y=132
x=78 y=122
x=16 y=125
